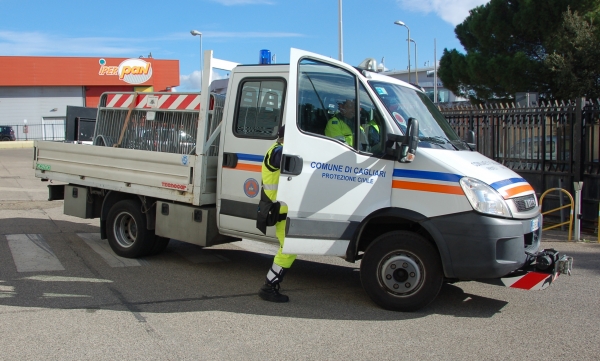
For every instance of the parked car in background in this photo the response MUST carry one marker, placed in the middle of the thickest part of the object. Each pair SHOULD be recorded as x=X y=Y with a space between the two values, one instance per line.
x=6 y=133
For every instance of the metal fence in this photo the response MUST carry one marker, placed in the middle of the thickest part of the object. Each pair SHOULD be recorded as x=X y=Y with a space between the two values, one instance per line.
x=170 y=131
x=552 y=145
x=53 y=131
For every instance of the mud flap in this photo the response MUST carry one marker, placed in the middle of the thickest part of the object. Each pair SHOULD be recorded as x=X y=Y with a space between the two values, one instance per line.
x=540 y=271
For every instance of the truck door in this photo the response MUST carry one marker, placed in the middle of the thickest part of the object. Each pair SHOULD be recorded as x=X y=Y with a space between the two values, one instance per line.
x=333 y=170
x=253 y=117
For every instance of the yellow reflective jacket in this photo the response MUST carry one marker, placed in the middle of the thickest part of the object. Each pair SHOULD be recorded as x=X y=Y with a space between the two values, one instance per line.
x=338 y=129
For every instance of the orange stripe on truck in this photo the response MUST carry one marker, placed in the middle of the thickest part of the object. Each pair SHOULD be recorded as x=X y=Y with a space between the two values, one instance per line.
x=516 y=190
x=248 y=167
x=427 y=187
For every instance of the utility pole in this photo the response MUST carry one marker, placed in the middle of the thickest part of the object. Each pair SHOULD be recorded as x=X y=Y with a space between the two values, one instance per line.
x=435 y=98
x=340 y=30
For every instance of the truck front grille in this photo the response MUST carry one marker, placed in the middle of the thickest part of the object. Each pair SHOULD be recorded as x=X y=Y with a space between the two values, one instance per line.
x=525 y=203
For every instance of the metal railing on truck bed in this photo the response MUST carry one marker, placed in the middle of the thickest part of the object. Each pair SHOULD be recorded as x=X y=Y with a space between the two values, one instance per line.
x=158 y=122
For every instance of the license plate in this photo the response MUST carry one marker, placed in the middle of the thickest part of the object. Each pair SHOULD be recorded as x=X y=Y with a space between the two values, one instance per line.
x=535 y=224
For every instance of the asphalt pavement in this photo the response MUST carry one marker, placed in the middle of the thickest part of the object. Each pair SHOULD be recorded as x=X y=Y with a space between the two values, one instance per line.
x=65 y=296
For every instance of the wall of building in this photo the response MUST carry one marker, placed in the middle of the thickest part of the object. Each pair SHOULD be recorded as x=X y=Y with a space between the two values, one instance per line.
x=18 y=103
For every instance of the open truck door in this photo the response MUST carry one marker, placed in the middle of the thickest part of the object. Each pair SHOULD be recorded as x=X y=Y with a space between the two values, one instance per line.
x=252 y=116
x=333 y=174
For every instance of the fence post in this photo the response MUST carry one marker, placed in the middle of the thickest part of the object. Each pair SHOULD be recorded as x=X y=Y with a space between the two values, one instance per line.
x=577 y=215
x=577 y=162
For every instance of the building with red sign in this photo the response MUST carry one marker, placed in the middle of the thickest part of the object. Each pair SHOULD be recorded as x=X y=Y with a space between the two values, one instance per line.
x=37 y=89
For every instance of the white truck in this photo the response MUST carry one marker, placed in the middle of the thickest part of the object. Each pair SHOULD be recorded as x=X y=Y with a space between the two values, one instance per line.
x=188 y=167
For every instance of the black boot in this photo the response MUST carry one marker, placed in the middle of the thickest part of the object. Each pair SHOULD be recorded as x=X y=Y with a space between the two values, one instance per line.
x=270 y=292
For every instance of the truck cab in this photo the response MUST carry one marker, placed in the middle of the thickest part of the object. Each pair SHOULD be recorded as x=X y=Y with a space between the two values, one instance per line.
x=451 y=206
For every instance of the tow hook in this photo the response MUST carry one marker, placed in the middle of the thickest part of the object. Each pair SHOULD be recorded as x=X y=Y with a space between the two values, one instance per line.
x=550 y=259
x=540 y=270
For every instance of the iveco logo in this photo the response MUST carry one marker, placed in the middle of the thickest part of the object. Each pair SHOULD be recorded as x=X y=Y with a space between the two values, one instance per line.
x=529 y=203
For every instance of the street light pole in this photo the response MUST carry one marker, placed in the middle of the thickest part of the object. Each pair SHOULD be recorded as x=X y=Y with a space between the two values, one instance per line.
x=416 y=63
x=194 y=33
x=341 y=34
x=398 y=22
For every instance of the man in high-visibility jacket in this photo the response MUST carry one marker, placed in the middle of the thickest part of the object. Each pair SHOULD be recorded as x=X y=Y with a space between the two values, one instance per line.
x=371 y=130
x=270 y=181
x=340 y=126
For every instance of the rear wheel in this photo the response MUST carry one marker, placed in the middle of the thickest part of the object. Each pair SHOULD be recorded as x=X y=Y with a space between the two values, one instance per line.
x=5 y=139
x=128 y=235
x=401 y=271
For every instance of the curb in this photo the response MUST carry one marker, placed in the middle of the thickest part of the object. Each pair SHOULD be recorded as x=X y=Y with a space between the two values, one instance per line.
x=17 y=144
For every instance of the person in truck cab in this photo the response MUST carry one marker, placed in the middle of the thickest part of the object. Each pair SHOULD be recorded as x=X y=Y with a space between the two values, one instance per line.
x=340 y=126
x=271 y=212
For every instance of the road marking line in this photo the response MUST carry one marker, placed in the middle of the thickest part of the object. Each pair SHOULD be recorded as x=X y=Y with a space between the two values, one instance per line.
x=103 y=249
x=56 y=295
x=31 y=253
x=47 y=278
x=7 y=291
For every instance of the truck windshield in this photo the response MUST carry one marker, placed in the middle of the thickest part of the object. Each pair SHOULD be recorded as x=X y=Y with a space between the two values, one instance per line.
x=403 y=103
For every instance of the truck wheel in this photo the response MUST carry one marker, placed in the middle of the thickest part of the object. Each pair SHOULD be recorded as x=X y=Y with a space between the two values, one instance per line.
x=401 y=271
x=126 y=228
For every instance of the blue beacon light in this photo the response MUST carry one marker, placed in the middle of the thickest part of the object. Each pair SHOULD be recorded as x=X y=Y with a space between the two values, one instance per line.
x=265 y=57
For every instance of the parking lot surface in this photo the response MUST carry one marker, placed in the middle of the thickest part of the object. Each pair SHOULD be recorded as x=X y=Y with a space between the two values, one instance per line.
x=65 y=296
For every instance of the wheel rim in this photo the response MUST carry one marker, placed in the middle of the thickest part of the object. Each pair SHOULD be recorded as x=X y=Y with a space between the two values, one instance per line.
x=125 y=230
x=401 y=273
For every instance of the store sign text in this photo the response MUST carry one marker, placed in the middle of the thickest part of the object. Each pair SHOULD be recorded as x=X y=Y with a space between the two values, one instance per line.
x=132 y=71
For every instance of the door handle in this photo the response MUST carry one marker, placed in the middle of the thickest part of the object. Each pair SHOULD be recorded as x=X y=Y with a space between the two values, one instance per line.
x=230 y=160
x=291 y=164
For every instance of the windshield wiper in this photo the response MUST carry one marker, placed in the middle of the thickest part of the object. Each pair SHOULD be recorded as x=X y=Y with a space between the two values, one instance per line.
x=434 y=140
x=461 y=142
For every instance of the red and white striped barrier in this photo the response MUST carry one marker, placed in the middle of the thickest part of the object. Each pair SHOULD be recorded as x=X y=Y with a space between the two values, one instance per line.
x=172 y=101
x=533 y=281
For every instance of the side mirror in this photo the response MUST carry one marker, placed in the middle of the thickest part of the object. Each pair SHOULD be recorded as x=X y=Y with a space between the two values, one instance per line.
x=471 y=140
x=405 y=146
x=408 y=148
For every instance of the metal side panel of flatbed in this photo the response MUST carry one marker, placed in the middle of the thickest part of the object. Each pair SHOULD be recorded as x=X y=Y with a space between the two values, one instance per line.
x=166 y=176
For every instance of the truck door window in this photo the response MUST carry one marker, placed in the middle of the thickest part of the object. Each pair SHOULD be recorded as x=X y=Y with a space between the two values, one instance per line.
x=372 y=129
x=327 y=102
x=258 y=108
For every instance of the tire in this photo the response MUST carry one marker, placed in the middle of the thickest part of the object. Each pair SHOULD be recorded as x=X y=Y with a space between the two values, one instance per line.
x=401 y=271
x=127 y=233
x=160 y=244
x=5 y=139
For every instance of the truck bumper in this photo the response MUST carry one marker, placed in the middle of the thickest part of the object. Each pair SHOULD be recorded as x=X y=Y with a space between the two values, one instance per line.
x=539 y=272
x=479 y=247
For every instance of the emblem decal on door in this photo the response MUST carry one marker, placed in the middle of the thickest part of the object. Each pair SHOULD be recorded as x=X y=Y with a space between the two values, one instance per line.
x=251 y=187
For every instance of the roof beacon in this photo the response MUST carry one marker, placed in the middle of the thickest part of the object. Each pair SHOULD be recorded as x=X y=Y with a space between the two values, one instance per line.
x=369 y=64
x=265 y=57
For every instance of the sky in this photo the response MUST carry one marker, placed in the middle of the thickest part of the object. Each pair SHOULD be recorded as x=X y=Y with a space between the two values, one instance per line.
x=236 y=30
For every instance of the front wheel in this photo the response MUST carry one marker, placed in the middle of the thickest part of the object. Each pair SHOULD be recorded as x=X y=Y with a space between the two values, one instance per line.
x=401 y=271
x=127 y=233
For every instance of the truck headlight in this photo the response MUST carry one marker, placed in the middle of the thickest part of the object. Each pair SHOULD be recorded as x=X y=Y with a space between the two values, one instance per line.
x=484 y=198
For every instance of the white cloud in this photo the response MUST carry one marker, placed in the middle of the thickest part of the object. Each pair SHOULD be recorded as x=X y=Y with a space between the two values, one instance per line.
x=36 y=43
x=193 y=81
x=243 y=2
x=250 y=34
x=229 y=35
x=189 y=82
x=451 y=11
